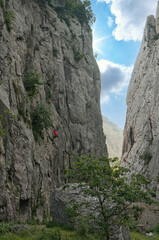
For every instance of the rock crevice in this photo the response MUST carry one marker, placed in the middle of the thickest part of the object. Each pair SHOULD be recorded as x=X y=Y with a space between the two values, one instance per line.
x=40 y=40
x=143 y=110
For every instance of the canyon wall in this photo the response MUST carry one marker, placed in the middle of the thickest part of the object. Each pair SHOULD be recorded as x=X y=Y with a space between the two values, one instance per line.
x=37 y=41
x=141 y=139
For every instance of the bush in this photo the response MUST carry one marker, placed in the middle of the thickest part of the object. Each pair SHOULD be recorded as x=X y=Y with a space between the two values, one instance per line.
x=41 y=119
x=50 y=236
x=77 y=55
x=82 y=226
x=82 y=10
x=55 y=52
x=9 y=17
x=2 y=3
x=5 y=227
x=31 y=83
x=146 y=156
x=156 y=228
x=2 y=133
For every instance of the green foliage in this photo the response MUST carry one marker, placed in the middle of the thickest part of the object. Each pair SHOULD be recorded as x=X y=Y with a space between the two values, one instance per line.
x=2 y=3
x=140 y=236
x=52 y=224
x=146 y=156
x=156 y=36
x=42 y=3
x=31 y=82
x=74 y=35
x=67 y=21
x=50 y=236
x=2 y=133
x=9 y=16
x=82 y=10
x=49 y=95
x=77 y=55
x=5 y=227
x=116 y=196
x=156 y=228
x=55 y=52
x=132 y=223
x=17 y=88
x=41 y=119
x=82 y=226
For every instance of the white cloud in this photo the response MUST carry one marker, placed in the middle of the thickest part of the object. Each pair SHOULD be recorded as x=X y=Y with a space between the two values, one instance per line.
x=114 y=77
x=110 y=21
x=130 y=17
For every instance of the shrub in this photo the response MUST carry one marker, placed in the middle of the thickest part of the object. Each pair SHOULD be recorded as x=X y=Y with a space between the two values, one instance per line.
x=74 y=35
x=156 y=36
x=55 y=52
x=49 y=96
x=156 y=228
x=67 y=21
x=82 y=10
x=82 y=227
x=31 y=83
x=9 y=17
x=146 y=156
x=77 y=55
x=41 y=119
x=2 y=3
x=5 y=227
x=2 y=133
x=50 y=236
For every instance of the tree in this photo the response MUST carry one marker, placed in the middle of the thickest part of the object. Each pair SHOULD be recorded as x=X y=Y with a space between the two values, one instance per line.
x=116 y=193
x=82 y=10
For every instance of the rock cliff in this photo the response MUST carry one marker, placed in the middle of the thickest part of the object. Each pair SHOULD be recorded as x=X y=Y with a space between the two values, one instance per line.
x=40 y=43
x=114 y=138
x=141 y=139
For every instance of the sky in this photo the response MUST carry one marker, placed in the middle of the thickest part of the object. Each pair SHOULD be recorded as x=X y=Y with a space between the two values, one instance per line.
x=117 y=35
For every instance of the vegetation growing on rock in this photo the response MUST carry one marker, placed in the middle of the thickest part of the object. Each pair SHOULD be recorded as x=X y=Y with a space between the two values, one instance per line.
x=31 y=83
x=81 y=10
x=41 y=119
x=9 y=17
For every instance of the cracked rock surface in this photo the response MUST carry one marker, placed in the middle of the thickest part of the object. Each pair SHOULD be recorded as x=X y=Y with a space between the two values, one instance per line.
x=141 y=133
x=43 y=41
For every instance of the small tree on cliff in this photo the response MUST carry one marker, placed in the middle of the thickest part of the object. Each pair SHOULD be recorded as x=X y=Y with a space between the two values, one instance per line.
x=115 y=194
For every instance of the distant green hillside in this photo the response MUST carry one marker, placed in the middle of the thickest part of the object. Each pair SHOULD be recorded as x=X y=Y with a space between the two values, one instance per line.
x=114 y=138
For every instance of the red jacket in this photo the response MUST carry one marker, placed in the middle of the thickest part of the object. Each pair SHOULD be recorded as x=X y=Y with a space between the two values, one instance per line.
x=55 y=133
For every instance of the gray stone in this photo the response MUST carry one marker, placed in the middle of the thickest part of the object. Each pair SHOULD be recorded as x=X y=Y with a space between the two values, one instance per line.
x=30 y=170
x=141 y=133
x=60 y=200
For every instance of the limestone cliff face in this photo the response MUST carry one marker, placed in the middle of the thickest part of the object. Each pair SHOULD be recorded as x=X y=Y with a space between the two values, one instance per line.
x=114 y=138
x=42 y=40
x=141 y=134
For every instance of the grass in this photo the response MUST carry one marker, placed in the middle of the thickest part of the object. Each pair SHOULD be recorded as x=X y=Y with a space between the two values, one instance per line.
x=139 y=236
x=41 y=232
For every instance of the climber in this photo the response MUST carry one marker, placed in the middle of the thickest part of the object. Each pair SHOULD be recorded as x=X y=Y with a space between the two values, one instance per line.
x=55 y=133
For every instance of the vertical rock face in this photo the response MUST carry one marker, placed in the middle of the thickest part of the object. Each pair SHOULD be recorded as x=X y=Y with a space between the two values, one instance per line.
x=114 y=138
x=42 y=40
x=141 y=134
